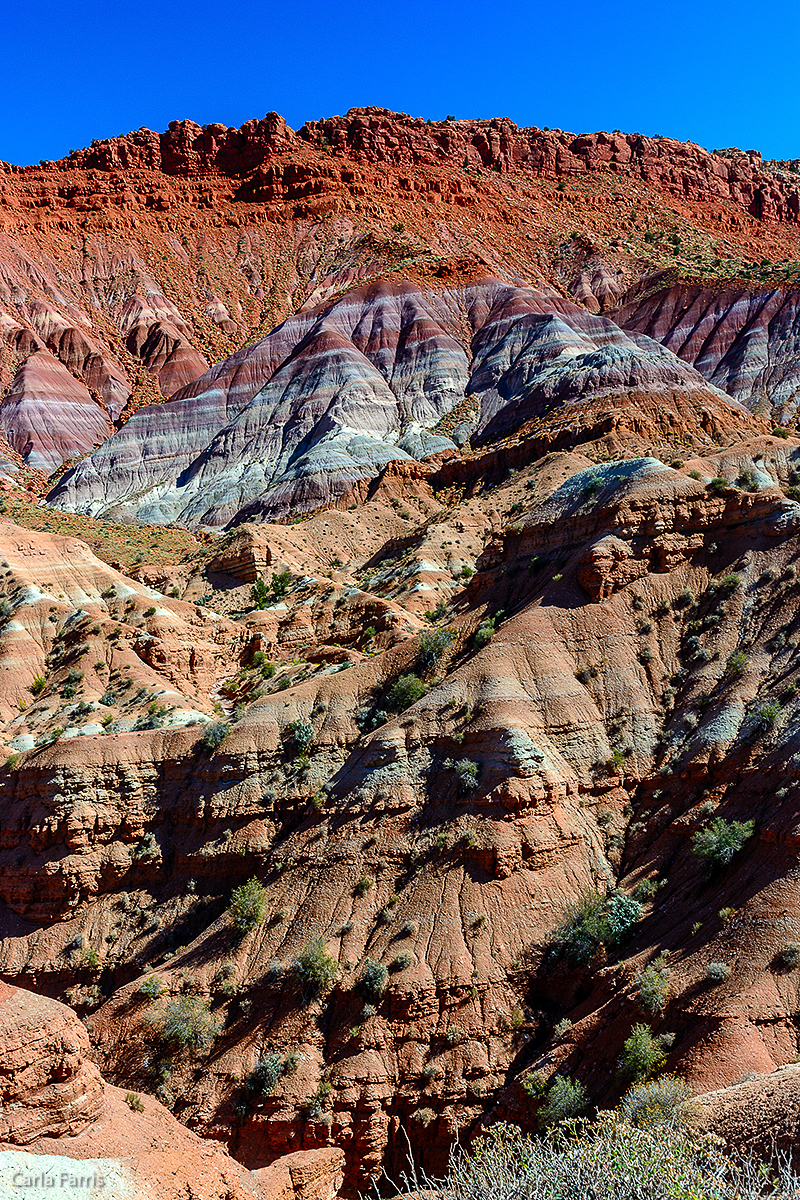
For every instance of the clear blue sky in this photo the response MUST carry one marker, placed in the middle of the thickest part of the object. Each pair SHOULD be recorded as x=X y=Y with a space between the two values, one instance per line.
x=718 y=74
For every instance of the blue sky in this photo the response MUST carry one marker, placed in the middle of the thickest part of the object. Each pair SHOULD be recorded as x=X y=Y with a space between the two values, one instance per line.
x=713 y=73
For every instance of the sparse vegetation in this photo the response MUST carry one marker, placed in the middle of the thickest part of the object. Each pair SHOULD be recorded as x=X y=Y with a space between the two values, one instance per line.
x=315 y=969
x=592 y=921
x=642 y=1055
x=432 y=645
x=184 y=1023
x=720 y=840
x=565 y=1098
x=214 y=735
x=405 y=692
x=371 y=983
x=248 y=905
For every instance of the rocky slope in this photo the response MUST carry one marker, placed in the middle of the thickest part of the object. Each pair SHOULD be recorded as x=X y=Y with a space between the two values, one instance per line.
x=580 y=741
x=742 y=339
x=337 y=392
x=61 y=1122
x=526 y=628
x=137 y=262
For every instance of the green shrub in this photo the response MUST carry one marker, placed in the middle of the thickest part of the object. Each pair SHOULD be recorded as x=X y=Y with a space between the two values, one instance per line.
x=729 y=584
x=717 y=485
x=652 y=985
x=432 y=645
x=766 y=715
x=642 y=1055
x=608 y=1160
x=401 y=961
x=737 y=663
x=214 y=735
x=565 y=1098
x=717 y=972
x=134 y=1102
x=484 y=633
x=405 y=692
x=720 y=840
x=280 y=584
x=663 y=1101
x=303 y=735
x=38 y=685
x=248 y=905
x=789 y=956
x=259 y=594
x=263 y=1079
x=467 y=773
x=363 y=886
x=184 y=1023
x=592 y=921
x=152 y=987
x=371 y=983
x=315 y=970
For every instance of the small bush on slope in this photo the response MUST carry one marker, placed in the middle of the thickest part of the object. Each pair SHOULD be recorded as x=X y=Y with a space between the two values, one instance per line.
x=604 y=1160
x=720 y=840
x=592 y=921
x=184 y=1023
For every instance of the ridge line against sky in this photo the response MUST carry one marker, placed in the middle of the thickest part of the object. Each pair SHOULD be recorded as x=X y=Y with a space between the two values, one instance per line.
x=712 y=74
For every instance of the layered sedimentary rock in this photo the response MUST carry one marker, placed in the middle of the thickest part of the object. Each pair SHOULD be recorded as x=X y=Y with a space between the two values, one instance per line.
x=48 y=417
x=61 y=1126
x=332 y=395
x=142 y=259
x=744 y=340
x=581 y=740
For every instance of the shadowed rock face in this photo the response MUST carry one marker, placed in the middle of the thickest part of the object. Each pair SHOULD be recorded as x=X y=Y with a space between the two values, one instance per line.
x=331 y=396
x=744 y=340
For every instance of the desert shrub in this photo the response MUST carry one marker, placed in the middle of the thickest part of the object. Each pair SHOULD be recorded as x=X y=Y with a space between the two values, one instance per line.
x=592 y=921
x=453 y=1035
x=147 y=849
x=184 y=1023
x=315 y=970
x=737 y=663
x=663 y=1101
x=152 y=987
x=148 y=612
x=425 y=1116
x=401 y=961
x=315 y=1107
x=652 y=985
x=432 y=645
x=263 y=1079
x=565 y=1098
x=789 y=955
x=38 y=685
x=717 y=972
x=766 y=715
x=303 y=735
x=606 y=1160
x=467 y=773
x=248 y=905
x=406 y=691
x=214 y=735
x=729 y=584
x=623 y=912
x=484 y=633
x=717 y=484
x=363 y=886
x=280 y=583
x=642 y=1055
x=720 y=840
x=259 y=594
x=371 y=983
